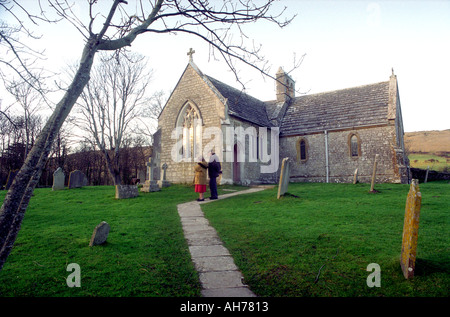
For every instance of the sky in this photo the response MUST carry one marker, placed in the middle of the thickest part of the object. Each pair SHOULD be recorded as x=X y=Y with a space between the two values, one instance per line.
x=344 y=43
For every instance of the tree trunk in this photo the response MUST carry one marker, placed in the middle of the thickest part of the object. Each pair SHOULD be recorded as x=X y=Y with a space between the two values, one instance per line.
x=113 y=167
x=19 y=194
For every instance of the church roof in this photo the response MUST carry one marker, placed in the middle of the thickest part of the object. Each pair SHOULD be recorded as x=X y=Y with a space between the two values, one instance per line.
x=347 y=108
x=242 y=105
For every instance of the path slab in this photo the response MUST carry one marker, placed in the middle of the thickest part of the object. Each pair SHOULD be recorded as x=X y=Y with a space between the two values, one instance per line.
x=219 y=275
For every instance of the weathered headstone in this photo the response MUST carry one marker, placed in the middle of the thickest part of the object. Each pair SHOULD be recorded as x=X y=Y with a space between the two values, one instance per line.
x=372 y=185
x=165 y=182
x=284 y=178
x=355 y=176
x=150 y=185
x=100 y=234
x=411 y=229
x=126 y=191
x=77 y=179
x=426 y=175
x=10 y=179
x=58 y=179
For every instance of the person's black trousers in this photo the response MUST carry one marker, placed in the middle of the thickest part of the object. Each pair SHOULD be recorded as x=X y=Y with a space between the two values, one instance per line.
x=213 y=187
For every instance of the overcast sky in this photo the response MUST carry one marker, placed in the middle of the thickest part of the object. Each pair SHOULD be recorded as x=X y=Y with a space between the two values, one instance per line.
x=347 y=44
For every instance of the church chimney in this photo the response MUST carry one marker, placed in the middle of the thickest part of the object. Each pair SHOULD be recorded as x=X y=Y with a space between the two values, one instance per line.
x=285 y=86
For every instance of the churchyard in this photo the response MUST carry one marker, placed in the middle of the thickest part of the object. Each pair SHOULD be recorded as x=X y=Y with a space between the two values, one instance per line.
x=316 y=240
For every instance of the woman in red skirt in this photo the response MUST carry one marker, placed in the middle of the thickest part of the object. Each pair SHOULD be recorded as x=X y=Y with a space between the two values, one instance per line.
x=200 y=178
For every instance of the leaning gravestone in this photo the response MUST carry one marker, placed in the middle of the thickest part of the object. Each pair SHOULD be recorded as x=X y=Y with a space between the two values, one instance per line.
x=284 y=178
x=411 y=230
x=374 y=174
x=355 y=176
x=100 y=234
x=77 y=179
x=58 y=179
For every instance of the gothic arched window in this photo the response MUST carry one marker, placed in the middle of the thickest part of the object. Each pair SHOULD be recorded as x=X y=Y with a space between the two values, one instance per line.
x=355 y=145
x=189 y=119
x=302 y=150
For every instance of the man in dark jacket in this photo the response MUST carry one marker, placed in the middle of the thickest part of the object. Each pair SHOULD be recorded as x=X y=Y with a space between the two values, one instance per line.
x=214 y=170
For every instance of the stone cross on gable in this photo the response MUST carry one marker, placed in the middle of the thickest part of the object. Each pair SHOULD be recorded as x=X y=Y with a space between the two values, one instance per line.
x=190 y=53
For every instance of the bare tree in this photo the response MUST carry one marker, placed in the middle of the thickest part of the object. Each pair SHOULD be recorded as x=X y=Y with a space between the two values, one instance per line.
x=213 y=22
x=29 y=101
x=112 y=100
x=151 y=112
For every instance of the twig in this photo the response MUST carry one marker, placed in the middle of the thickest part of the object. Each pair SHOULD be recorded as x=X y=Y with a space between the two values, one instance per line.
x=318 y=274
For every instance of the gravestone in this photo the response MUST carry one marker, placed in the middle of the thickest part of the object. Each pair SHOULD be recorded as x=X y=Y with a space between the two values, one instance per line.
x=100 y=234
x=10 y=179
x=284 y=178
x=411 y=230
x=372 y=190
x=150 y=185
x=58 y=179
x=156 y=155
x=77 y=179
x=165 y=182
x=426 y=175
x=355 y=176
x=126 y=191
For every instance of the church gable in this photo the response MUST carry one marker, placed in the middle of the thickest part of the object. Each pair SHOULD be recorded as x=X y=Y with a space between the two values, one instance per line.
x=193 y=88
x=241 y=105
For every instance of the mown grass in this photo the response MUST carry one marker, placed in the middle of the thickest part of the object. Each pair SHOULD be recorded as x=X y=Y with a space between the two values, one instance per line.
x=145 y=254
x=321 y=242
x=280 y=245
x=434 y=162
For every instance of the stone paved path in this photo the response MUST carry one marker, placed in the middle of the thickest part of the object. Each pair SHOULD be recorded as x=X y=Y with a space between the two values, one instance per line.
x=219 y=276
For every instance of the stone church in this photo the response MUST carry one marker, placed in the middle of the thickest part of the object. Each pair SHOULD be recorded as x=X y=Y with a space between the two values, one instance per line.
x=326 y=136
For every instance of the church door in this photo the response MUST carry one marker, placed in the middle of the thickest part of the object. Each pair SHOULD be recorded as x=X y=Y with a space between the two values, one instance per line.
x=236 y=166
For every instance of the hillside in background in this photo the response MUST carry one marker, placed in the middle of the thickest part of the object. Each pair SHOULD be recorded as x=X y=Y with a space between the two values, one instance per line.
x=431 y=142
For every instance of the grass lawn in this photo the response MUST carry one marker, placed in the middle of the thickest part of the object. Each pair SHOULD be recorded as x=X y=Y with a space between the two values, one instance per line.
x=435 y=162
x=145 y=255
x=280 y=245
x=337 y=230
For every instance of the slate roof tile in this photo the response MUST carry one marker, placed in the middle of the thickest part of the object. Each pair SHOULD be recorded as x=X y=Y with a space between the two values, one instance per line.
x=346 y=108
x=242 y=105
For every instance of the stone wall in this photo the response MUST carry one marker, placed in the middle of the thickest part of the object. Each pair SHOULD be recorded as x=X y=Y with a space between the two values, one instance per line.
x=420 y=174
x=341 y=165
x=249 y=170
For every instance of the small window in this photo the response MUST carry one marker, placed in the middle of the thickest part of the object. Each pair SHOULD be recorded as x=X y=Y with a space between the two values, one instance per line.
x=354 y=146
x=302 y=150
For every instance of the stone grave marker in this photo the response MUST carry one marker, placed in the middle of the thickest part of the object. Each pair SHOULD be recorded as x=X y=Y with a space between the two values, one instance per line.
x=126 y=191
x=10 y=179
x=411 y=229
x=355 y=176
x=372 y=190
x=58 y=179
x=100 y=234
x=284 y=178
x=77 y=179
x=165 y=182
x=150 y=185
x=426 y=175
